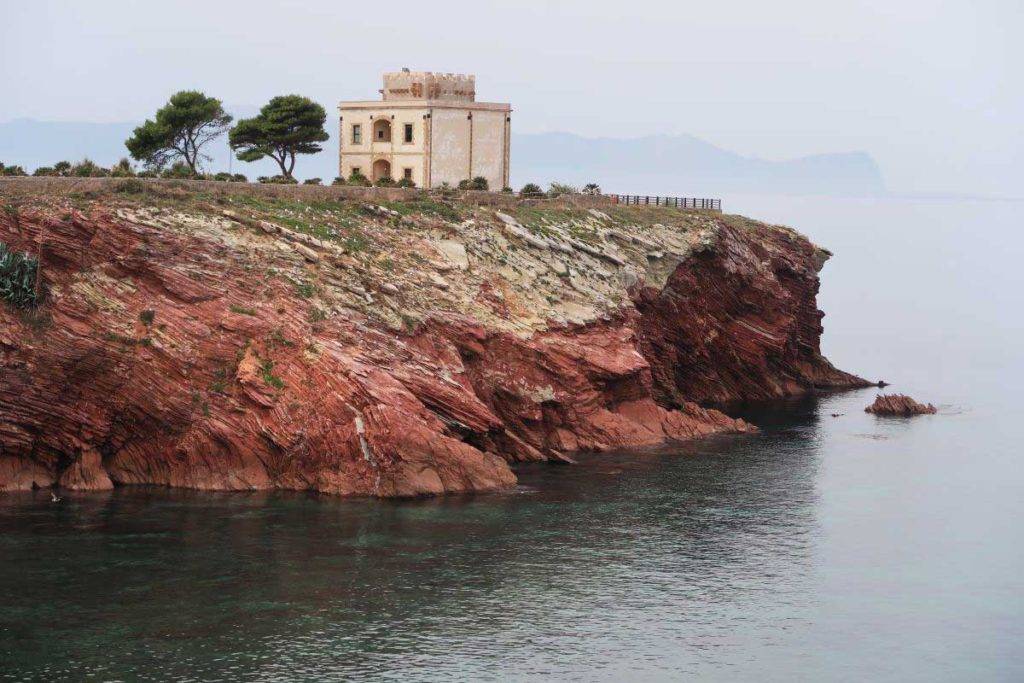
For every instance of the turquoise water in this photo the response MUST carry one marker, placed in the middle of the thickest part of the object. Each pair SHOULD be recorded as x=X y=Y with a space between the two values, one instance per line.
x=823 y=548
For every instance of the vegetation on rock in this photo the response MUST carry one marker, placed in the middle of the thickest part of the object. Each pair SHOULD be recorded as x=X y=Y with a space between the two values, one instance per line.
x=18 y=273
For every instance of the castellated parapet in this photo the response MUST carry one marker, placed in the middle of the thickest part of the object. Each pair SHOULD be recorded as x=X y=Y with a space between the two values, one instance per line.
x=427 y=85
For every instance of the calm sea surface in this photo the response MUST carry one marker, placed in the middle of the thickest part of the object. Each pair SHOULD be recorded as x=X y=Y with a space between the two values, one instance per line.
x=824 y=548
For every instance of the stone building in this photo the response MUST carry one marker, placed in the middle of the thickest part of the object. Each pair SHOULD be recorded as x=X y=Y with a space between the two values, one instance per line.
x=427 y=127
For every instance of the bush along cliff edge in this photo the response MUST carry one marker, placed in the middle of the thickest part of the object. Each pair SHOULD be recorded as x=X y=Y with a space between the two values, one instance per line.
x=259 y=337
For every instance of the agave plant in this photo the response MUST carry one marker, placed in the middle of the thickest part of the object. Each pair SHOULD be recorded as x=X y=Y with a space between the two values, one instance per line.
x=17 y=278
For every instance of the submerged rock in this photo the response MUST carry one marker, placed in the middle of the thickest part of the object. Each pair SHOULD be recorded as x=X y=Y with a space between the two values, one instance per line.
x=899 y=404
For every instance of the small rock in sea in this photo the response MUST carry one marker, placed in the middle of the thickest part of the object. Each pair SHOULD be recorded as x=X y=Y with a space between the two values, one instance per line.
x=899 y=404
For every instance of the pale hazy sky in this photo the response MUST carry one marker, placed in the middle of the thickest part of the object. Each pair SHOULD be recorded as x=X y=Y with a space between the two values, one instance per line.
x=933 y=90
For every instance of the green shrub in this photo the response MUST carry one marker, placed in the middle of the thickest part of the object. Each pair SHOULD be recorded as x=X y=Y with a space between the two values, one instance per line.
x=465 y=185
x=267 y=371
x=358 y=179
x=339 y=181
x=62 y=168
x=223 y=177
x=406 y=182
x=147 y=316
x=148 y=173
x=386 y=181
x=179 y=170
x=507 y=190
x=478 y=183
x=122 y=169
x=557 y=189
x=591 y=188
x=239 y=178
x=44 y=171
x=531 y=190
x=277 y=180
x=12 y=170
x=241 y=310
x=18 y=278
x=313 y=181
x=87 y=168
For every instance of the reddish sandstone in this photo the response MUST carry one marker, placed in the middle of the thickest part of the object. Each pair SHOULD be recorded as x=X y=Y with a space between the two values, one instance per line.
x=229 y=385
x=899 y=405
x=738 y=320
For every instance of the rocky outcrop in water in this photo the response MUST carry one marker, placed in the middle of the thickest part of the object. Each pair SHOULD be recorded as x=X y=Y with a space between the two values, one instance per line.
x=242 y=342
x=899 y=405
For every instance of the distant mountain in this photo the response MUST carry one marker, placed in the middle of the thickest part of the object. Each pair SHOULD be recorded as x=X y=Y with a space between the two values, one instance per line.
x=660 y=164
x=685 y=165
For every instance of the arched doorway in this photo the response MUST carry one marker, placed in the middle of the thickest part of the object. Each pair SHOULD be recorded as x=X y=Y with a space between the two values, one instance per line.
x=381 y=169
x=382 y=130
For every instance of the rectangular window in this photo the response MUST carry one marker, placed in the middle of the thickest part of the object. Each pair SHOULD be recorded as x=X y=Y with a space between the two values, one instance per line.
x=357 y=134
x=407 y=173
x=408 y=132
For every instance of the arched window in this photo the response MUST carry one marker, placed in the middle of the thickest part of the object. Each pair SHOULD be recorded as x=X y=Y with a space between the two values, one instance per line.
x=382 y=130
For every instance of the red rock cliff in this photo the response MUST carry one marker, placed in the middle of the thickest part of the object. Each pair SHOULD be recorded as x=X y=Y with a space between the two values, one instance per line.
x=379 y=351
x=738 y=320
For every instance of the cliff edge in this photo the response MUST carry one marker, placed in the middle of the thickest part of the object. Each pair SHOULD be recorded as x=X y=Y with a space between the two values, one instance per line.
x=213 y=337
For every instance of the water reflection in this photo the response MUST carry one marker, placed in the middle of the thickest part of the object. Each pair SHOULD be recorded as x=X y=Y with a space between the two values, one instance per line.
x=660 y=552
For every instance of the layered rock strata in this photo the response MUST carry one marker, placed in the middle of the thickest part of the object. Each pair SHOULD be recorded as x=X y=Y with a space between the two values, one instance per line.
x=408 y=349
x=899 y=405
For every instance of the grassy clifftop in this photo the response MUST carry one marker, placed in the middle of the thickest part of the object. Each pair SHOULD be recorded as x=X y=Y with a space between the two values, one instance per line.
x=395 y=255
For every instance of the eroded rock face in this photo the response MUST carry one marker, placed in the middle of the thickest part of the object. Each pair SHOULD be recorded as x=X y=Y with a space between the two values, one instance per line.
x=194 y=352
x=899 y=405
x=738 y=320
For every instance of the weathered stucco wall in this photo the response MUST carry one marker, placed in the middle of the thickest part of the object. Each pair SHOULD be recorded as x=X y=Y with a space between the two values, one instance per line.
x=449 y=147
x=463 y=148
x=489 y=147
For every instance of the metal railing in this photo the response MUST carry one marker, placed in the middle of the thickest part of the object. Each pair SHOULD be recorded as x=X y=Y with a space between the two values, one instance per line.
x=678 y=202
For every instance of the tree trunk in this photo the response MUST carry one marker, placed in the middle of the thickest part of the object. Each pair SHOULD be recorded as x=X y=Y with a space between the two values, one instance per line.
x=190 y=160
x=280 y=162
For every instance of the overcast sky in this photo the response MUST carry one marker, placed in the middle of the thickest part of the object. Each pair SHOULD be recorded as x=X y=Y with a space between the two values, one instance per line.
x=932 y=90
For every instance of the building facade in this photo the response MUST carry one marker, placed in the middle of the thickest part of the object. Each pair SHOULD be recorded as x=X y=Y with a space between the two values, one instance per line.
x=427 y=127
